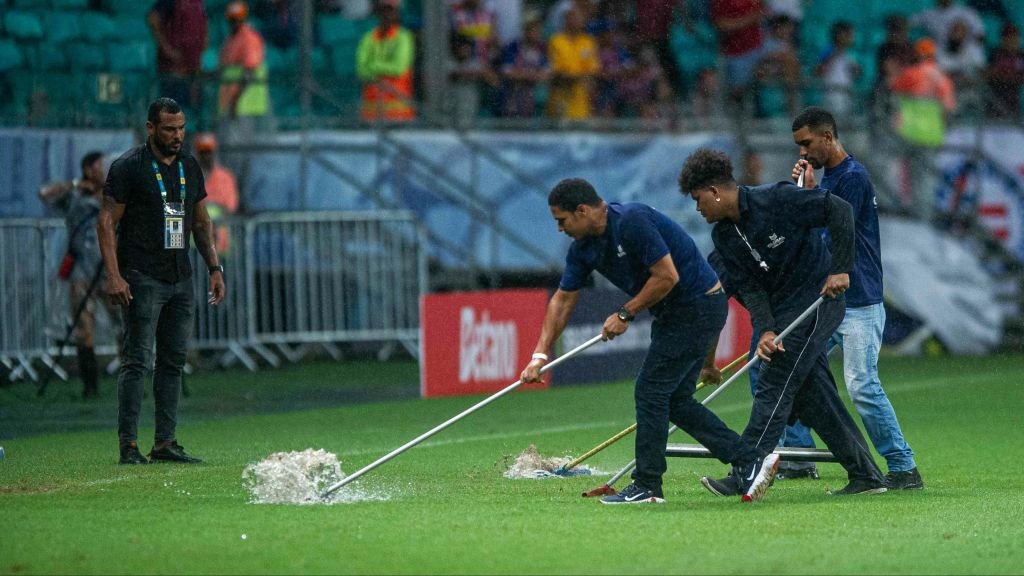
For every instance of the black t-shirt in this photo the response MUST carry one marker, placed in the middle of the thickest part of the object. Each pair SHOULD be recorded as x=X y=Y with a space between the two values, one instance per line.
x=140 y=244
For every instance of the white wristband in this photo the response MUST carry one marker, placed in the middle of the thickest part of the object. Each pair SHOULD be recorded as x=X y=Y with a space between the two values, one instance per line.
x=540 y=356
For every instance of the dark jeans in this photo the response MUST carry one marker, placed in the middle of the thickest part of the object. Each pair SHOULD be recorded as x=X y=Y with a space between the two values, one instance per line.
x=163 y=313
x=798 y=383
x=680 y=339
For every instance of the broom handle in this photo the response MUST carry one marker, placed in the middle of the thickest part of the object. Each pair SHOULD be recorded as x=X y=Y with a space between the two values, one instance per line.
x=632 y=427
x=456 y=418
x=747 y=366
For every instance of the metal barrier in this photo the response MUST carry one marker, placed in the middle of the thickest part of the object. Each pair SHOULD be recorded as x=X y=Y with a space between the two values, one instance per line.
x=293 y=279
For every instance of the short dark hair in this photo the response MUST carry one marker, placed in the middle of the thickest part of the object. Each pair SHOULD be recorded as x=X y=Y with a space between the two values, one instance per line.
x=705 y=167
x=840 y=27
x=568 y=194
x=162 y=104
x=90 y=159
x=817 y=119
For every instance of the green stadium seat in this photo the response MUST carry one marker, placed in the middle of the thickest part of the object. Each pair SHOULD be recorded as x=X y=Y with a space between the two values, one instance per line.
x=336 y=30
x=127 y=7
x=98 y=27
x=23 y=25
x=61 y=27
x=209 y=59
x=35 y=4
x=86 y=56
x=69 y=4
x=134 y=56
x=11 y=56
x=344 y=58
x=47 y=57
x=130 y=27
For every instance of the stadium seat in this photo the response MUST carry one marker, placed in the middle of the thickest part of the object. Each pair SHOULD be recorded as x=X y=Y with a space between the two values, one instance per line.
x=36 y=4
x=11 y=56
x=208 y=61
x=131 y=27
x=343 y=57
x=335 y=31
x=134 y=56
x=61 y=27
x=86 y=56
x=128 y=7
x=98 y=27
x=49 y=57
x=69 y=4
x=23 y=25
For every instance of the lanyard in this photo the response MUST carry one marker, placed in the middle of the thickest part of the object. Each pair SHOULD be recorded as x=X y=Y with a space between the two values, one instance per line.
x=754 y=253
x=160 y=180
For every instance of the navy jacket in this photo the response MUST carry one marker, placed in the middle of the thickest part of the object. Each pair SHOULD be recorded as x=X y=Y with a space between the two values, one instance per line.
x=774 y=258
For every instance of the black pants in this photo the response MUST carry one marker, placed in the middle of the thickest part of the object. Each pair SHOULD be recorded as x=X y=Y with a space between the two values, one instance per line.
x=798 y=383
x=664 y=388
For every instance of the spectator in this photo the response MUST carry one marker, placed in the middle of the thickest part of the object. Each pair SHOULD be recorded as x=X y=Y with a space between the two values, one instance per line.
x=838 y=70
x=468 y=75
x=707 y=96
x=892 y=56
x=962 y=58
x=221 y=189
x=79 y=202
x=180 y=31
x=574 y=67
x=384 y=63
x=654 y=20
x=645 y=87
x=938 y=21
x=524 y=68
x=924 y=79
x=280 y=20
x=616 y=65
x=741 y=42
x=780 y=61
x=471 y=19
x=555 y=22
x=1005 y=75
x=154 y=199
x=244 y=93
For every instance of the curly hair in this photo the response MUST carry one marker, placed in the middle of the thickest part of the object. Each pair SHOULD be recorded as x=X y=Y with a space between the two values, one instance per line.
x=705 y=167
x=568 y=194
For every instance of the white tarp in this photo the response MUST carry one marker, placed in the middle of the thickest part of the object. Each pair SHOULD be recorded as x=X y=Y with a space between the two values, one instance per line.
x=935 y=278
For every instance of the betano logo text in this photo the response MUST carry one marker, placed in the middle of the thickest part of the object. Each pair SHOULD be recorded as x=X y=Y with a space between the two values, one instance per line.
x=487 y=350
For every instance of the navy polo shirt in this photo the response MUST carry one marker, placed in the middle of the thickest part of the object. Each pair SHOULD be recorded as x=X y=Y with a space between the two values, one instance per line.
x=781 y=223
x=635 y=238
x=850 y=181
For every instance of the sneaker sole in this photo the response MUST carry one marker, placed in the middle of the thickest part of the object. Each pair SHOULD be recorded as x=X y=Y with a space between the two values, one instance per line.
x=707 y=484
x=651 y=500
x=763 y=480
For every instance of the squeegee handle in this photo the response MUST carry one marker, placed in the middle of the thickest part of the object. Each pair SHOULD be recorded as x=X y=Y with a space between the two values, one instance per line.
x=352 y=477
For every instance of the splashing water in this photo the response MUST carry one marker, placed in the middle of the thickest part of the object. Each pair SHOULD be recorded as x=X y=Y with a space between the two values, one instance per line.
x=530 y=464
x=300 y=478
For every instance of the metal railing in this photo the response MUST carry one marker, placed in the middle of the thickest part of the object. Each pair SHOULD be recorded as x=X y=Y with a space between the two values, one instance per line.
x=294 y=280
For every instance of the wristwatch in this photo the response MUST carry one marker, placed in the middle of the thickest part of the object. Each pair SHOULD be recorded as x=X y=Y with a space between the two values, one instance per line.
x=218 y=268
x=625 y=315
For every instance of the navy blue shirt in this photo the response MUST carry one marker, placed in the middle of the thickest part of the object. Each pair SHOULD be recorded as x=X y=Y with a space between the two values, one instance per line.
x=636 y=237
x=850 y=181
x=781 y=223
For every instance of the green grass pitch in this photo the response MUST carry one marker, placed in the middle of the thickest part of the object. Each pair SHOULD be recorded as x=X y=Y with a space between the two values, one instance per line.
x=67 y=507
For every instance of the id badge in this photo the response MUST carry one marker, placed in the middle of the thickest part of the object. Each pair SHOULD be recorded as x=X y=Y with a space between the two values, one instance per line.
x=174 y=226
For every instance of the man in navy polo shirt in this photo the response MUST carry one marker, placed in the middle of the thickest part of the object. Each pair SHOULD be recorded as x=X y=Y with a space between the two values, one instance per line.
x=771 y=248
x=651 y=258
x=860 y=333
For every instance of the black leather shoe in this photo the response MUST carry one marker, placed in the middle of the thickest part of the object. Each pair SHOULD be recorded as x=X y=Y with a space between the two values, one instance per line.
x=909 y=480
x=858 y=487
x=130 y=454
x=172 y=452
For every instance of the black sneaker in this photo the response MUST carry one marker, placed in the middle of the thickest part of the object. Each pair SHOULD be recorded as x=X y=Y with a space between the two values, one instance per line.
x=130 y=454
x=728 y=486
x=634 y=494
x=858 y=487
x=172 y=452
x=789 y=471
x=908 y=480
x=758 y=476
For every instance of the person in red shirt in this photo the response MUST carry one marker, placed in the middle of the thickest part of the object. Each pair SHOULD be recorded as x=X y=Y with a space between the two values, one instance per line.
x=741 y=41
x=180 y=32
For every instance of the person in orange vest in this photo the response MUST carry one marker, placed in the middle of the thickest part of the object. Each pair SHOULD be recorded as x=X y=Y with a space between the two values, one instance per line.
x=243 y=67
x=221 y=189
x=384 y=62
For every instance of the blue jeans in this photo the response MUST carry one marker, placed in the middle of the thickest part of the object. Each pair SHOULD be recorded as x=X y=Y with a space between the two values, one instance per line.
x=860 y=336
x=159 y=313
x=680 y=338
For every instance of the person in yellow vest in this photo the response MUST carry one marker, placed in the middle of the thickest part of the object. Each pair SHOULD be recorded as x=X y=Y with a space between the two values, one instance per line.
x=243 y=68
x=384 y=62
x=221 y=189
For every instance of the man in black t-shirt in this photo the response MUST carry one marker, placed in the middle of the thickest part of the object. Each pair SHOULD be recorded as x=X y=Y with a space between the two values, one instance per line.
x=154 y=199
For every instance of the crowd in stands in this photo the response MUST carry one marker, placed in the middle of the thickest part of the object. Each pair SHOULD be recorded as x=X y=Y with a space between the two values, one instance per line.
x=566 y=60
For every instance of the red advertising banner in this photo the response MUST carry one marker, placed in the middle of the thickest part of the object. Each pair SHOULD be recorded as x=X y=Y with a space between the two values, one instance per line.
x=736 y=333
x=478 y=342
